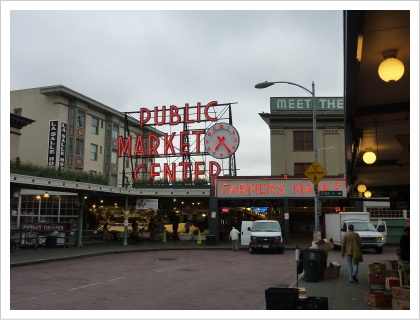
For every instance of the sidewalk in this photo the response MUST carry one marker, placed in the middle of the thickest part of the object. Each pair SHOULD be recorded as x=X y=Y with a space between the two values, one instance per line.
x=341 y=294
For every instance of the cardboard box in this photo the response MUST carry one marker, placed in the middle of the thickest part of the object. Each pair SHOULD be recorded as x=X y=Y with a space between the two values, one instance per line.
x=401 y=293
x=404 y=278
x=400 y=304
x=376 y=278
x=391 y=264
x=391 y=282
x=377 y=267
x=392 y=273
x=324 y=244
x=378 y=299
x=331 y=273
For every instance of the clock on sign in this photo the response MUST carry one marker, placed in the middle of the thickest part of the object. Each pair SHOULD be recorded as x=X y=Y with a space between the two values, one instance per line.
x=222 y=140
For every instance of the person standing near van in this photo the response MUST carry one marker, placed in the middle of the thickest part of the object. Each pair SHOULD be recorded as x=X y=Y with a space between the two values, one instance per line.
x=234 y=236
x=351 y=248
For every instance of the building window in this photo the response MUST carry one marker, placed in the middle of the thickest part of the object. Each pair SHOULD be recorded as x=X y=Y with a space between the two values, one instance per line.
x=95 y=125
x=17 y=111
x=114 y=132
x=303 y=141
x=94 y=152
x=79 y=147
x=300 y=169
x=80 y=119
x=114 y=157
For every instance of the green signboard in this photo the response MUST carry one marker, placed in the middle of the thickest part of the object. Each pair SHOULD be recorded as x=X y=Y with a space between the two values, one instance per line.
x=331 y=193
x=296 y=104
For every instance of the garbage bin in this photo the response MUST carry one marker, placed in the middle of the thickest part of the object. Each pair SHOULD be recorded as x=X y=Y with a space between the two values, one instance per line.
x=313 y=255
x=50 y=241
x=311 y=268
x=278 y=298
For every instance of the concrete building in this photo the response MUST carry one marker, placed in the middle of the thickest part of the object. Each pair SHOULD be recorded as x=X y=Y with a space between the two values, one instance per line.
x=291 y=135
x=72 y=131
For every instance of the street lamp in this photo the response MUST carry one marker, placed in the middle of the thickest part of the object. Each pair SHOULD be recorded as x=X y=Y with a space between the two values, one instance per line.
x=267 y=84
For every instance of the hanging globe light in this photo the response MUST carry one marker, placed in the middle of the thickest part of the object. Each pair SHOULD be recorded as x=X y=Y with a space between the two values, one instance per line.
x=361 y=188
x=369 y=157
x=391 y=69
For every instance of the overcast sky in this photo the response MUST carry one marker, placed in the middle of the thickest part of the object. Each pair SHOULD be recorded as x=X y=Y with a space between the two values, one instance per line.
x=145 y=58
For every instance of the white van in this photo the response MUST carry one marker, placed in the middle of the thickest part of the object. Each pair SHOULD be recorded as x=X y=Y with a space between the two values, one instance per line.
x=262 y=235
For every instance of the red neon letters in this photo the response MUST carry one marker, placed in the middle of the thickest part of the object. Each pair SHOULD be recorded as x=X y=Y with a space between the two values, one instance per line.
x=169 y=144
x=169 y=172
x=173 y=116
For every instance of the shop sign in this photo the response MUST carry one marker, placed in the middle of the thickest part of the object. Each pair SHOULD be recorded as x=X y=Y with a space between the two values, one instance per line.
x=275 y=187
x=147 y=204
x=52 y=142
x=296 y=104
x=44 y=227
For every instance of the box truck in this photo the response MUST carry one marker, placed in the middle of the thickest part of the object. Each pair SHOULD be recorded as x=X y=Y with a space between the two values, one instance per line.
x=336 y=225
x=262 y=235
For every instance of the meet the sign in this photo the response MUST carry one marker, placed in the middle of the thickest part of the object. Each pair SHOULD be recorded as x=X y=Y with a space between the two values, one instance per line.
x=293 y=104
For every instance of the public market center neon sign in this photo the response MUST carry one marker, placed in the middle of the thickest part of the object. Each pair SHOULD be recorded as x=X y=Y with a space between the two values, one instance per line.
x=170 y=144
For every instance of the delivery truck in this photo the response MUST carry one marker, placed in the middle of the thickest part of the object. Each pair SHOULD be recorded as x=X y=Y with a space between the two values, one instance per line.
x=262 y=235
x=372 y=237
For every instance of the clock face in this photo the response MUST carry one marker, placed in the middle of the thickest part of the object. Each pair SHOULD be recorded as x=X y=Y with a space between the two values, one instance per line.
x=221 y=140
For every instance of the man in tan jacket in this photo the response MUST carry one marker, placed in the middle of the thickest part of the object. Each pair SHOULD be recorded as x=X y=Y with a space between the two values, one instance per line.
x=347 y=246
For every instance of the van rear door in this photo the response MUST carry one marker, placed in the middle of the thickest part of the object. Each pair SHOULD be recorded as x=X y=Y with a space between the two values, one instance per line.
x=245 y=233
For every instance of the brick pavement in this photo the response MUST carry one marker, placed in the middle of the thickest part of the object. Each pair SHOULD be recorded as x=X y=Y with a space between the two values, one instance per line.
x=341 y=294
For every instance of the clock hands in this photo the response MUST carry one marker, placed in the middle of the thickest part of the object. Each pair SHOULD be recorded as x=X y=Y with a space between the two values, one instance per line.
x=222 y=142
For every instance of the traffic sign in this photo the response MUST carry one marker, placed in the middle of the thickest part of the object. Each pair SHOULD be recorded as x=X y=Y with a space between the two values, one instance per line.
x=315 y=172
x=331 y=193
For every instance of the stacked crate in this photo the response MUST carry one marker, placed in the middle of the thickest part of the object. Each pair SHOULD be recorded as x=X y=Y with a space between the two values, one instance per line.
x=383 y=277
x=401 y=298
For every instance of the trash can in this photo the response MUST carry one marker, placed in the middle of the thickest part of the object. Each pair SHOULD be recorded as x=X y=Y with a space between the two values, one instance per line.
x=71 y=238
x=211 y=240
x=311 y=268
x=314 y=262
x=50 y=241
x=278 y=298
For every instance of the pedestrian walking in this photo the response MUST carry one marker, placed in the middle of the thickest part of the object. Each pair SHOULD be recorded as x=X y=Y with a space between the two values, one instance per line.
x=234 y=236
x=352 y=248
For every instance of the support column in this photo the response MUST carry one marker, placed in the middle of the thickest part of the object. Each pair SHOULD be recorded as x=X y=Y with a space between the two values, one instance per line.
x=286 y=221
x=80 y=222
x=213 y=216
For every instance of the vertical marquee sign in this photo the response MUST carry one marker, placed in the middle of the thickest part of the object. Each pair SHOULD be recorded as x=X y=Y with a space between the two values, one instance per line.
x=63 y=142
x=219 y=141
x=52 y=143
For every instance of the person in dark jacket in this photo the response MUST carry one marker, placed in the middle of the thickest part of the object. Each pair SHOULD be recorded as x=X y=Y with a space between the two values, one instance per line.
x=405 y=245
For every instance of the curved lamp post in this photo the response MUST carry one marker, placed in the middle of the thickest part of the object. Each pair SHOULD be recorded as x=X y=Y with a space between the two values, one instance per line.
x=267 y=84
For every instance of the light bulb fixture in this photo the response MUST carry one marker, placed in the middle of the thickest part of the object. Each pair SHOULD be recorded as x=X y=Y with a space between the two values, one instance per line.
x=46 y=195
x=369 y=157
x=367 y=194
x=361 y=188
x=391 y=69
